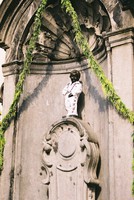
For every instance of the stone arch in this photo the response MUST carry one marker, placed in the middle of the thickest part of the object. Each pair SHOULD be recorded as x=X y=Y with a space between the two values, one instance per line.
x=17 y=28
x=39 y=89
x=14 y=22
x=121 y=13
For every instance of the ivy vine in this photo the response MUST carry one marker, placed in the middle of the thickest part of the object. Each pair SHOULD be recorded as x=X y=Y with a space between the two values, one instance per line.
x=107 y=86
x=0 y=116
x=19 y=86
x=84 y=46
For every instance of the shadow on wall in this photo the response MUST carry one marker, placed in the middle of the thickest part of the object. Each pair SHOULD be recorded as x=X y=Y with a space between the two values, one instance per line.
x=93 y=91
x=81 y=104
x=26 y=102
x=98 y=188
x=1 y=93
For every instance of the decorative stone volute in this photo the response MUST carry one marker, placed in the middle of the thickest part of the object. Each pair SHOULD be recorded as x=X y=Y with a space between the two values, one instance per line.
x=70 y=157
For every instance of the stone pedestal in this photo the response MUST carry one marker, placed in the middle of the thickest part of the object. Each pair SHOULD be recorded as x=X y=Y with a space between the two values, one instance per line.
x=42 y=103
x=70 y=157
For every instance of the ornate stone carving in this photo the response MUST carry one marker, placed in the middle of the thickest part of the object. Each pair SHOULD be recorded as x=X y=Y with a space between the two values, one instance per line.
x=70 y=157
x=56 y=40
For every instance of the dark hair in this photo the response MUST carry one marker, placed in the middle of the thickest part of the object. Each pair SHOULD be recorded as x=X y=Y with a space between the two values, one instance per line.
x=75 y=73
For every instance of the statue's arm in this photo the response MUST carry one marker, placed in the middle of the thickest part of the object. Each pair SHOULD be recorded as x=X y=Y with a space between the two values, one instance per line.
x=77 y=89
x=65 y=89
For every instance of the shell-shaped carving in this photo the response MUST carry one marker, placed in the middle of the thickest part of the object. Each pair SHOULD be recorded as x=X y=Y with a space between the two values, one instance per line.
x=56 y=40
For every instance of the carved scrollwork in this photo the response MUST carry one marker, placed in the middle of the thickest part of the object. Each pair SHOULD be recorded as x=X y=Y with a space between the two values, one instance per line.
x=70 y=152
x=90 y=161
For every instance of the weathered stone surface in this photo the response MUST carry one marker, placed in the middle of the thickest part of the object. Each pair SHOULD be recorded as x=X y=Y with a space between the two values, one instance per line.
x=119 y=18
x=120 y=145
x=56 y=40
x=70 y=156
x=42 y=102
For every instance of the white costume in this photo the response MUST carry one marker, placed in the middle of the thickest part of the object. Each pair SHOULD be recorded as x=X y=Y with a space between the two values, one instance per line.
x=71 y=102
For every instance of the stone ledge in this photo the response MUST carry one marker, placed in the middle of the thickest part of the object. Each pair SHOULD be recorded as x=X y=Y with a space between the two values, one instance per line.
x=59 y=67
x=120 y=37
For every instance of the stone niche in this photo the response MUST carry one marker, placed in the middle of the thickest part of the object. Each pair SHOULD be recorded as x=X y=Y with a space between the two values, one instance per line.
x=70 y=152
x=70 y=157
x=56 y=39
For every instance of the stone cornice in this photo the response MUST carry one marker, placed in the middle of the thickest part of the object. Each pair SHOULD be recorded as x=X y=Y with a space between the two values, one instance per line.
x=57 y=67
x=120 y=37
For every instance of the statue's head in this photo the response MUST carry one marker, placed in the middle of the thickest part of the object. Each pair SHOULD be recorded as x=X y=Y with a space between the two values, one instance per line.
x=74 y=76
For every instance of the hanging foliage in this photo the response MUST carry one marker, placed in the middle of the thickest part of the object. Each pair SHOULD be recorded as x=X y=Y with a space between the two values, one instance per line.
x=83 y=45
x=107 y=86
x=19 y=86
x=0 y=117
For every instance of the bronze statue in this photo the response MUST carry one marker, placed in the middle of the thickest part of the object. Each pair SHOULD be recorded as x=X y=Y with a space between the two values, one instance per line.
x=71 y=92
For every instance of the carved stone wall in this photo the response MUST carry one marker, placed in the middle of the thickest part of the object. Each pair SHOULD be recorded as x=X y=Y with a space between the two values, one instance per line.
x=109 y=31
x=119 y=17
x=71 y=156
x=56 y=40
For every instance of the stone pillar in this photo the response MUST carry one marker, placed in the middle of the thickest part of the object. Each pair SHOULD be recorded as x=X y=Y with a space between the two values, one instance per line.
x=7 y=176
x=120 y=70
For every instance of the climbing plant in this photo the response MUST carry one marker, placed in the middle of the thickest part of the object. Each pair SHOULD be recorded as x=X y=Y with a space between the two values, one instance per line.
x=106 y=84
x=81 y=41
x=19 y=86
x=0 y=117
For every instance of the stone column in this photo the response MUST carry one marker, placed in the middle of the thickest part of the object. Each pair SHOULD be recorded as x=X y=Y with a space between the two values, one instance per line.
x=7 y=176
x=120 y=70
